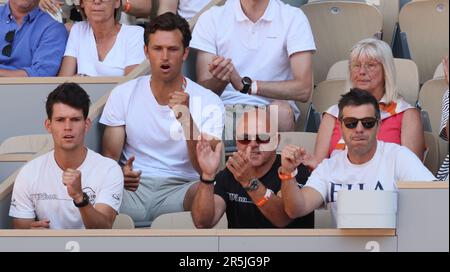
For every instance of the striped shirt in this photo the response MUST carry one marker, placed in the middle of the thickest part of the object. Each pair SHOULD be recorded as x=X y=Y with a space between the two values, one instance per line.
x=442 y=174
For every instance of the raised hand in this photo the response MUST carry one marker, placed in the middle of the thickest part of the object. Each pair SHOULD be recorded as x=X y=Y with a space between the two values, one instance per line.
x=240 y=166
x=131 y=178
x=291 y=158
x=72 y=180
x=42 y=224
x=179 y=103
x=52 y=6
x=208 y=159
x=221 y=68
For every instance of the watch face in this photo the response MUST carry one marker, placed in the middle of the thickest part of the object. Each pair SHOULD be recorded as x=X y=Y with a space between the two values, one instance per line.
x=253 y=186
x=246 y=81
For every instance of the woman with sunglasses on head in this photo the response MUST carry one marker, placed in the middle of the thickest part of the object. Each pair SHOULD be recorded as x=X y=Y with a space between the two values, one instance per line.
x=101 y=46
x=372 y=69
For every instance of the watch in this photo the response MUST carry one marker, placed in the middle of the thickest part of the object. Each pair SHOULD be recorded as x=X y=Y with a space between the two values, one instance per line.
x=247 y=82
x=83 y=203
x=252 y=185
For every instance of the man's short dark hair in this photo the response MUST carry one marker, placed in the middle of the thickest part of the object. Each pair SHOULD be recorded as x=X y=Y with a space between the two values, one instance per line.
x=358 y=97
x=70 y=94
x=169 y=22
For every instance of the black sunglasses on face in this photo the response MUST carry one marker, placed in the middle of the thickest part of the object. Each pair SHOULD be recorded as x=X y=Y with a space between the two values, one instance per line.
x=367 y=123
x=9 y=38
x=260 y=139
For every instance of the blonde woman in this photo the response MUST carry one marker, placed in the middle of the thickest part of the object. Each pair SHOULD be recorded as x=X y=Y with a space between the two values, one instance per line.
x=372 y=69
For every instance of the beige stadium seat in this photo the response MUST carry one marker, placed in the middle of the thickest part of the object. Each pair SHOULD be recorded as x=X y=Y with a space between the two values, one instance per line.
x=430 y=100
x=182 y=220
x=407 y=77
x=426 y=24
x=23 y=148
x=439 y=72
x=123 y=221
x=336 y=27
x=323 y=219
x=328 y=93
x=306 y=140
x=431 y=160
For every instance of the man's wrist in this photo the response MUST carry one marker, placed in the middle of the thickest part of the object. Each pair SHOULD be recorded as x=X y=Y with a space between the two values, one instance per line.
x=206 y=176
x=78 y=198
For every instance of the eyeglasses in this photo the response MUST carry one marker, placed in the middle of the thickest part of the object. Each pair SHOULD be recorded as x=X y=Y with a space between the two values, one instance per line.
x=367 y=123
x=370 y=66
x=260 y=139
x=9 y=38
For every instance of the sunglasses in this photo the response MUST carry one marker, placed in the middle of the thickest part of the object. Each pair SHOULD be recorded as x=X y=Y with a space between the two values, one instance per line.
x=367 y=123
x=9 y=38
x=260 y=139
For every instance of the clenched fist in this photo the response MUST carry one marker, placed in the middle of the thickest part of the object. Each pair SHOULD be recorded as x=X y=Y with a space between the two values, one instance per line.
x=72 y=180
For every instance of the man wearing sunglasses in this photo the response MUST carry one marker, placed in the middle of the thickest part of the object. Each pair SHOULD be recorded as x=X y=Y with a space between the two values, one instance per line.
x=366 y=164
x=247 y=189
x=32 y=44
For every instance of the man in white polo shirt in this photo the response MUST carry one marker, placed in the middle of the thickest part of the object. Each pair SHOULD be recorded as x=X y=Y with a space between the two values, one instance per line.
x=153 y=123
x=256 y=52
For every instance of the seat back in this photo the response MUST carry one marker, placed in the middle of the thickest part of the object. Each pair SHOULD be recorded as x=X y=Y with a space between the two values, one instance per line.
x=337 y=26
x=428 y=36
x=182 y=220
x=26 y=144
x=328 y=93
x=431 y=160
x=123 y=221
x=430 y=100
x=407 y=77
x=306 y=140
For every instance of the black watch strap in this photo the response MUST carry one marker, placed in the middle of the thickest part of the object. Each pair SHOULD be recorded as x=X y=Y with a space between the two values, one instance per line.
x=83 y=203
x=207 y=181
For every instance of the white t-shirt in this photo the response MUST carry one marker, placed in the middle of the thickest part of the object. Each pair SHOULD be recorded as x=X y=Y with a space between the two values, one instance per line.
x=259 y=50
x=391 y=163
x=39 y=191
x=128 y=50
x=188 y=8
x=153 y=135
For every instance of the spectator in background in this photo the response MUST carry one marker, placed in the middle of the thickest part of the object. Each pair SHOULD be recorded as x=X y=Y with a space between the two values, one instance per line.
x=102 y=46
x=152 y=123
x=61 y=10
x=366 y=164
x=443 y=170
x=255 y=52
x=372 y=69
x=70 y=187
x=247 y=189
x=32 y=44
x=185 y=8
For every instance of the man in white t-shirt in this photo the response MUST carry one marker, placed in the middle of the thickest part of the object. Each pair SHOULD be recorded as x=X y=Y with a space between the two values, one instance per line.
x=256 y=52
x=366 y=164
x=70 y=187
x=153 y=122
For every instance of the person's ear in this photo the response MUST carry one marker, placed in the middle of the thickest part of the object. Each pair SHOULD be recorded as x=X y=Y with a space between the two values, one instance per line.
x=87 y=125
x=186 y=53
x=47 y=124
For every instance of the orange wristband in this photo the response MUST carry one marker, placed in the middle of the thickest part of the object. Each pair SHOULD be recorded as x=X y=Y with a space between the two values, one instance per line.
x=287 y=177
x=127 y=6
x=265 y=198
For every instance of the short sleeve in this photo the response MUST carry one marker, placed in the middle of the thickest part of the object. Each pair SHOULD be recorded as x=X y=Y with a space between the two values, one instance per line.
x=135 y=47
x=318 y=180
x=299 y=36
x=114 y=111
x=204 y=35
x=112 y=191
x=21 y=203
x=73 y=43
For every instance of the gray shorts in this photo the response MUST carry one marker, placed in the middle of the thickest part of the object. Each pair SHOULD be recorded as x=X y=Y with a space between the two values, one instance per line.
x=154 y=196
